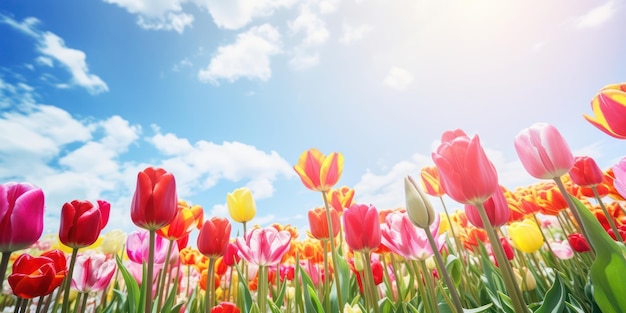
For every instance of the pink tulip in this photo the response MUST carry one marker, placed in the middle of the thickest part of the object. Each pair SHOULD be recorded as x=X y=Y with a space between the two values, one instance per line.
x=496 y=207
x=92 y=272
x=138 y=244
x=403 y=238
x=466 y=174
x=543 y=151
x=264 y=246
x=361 y=227
x=21 y=215
x=619 y=170
x=562 y=250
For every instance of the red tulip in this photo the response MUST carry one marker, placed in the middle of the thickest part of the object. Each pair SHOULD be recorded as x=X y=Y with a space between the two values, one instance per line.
x=225 y=307
x=214 y=237
x=586 y=172
x=362 y=227
x=154 y=203
x=543 y=151
x=578 y=242
x=496 y=207
x=33 y=277
x=81 y=222
x=21 y=215
x=231 y=256
x=319 y=223
x=466 y=173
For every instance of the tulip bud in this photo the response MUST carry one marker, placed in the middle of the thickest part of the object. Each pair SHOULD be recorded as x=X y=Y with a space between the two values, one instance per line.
x=359 y=264
x=418 y=207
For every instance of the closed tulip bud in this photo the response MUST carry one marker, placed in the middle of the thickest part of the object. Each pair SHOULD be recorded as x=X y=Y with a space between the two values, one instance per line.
x=526 y=236
x=241 y=205
x=21 y=215
x=81 y=222
x=214 y=237
x=359 y=264
x=154 y=202
x=525 y=279
x=418 y=207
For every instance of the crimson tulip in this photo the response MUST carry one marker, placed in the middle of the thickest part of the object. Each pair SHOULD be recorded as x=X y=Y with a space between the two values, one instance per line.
x=466 y=174
x=586 y=172
x=578 y=242
x=496 y=207
x=225 y=307
x=21 y=215
x=214 y=237
x=154 y=202
x=362 y=227
x=81 y=222
x=33 y=277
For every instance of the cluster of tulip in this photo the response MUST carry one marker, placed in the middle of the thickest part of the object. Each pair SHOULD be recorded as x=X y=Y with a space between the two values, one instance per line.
x=542 y=248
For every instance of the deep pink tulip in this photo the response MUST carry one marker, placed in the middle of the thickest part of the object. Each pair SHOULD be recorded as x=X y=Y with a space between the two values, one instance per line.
x=231 y=257
x=92 y=272
x=586 y=172
x=21 y=215
x=405 y=239
x=496 y=207
x=362 y=227
x=466 y=174
x=264 y=246
x=82 y=221
x=619 y=170
x=543 y=151
x=155 y=202
x=138 y=245
x=214 y=237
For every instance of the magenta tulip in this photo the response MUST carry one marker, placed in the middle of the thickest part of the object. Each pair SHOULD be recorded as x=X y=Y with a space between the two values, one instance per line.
x=138 y=246
x=21 y=215
x=466 y=174
x=361 y=227
x=496 y=207
x=543 y=151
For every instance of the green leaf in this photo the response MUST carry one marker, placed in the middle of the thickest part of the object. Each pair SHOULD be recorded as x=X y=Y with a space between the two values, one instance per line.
x=609 y=266
x=554 y=300
x=506 y=301
x=479 y=309
x=385 y=305
x=132 y=288
x=453 y=266
x=244 y=293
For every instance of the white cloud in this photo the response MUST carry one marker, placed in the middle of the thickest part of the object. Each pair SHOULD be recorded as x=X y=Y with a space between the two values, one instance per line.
x=182 y=64
x=597 y=16
x=157 y=15
x=352 y=34
x=119 y=134
x=169 y=144
x=235 y=14
x=44 y=61
x=13 y=95
x=27 y=26
x=301 y=60
x=53 y=46
x=398 y=79
x=313 y=33
x=248 y=57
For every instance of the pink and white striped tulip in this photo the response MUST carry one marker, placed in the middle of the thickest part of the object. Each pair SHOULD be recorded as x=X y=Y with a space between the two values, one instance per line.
x=264 y=246
x=403 y=238
x=92 y=272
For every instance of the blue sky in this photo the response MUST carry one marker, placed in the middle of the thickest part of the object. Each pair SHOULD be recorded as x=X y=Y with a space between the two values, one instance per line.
x=227 y=94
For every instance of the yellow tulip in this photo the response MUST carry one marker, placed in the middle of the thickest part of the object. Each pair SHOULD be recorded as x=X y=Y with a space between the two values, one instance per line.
x=113 y=241
x=241 y=205
x=526 y=235
x=527 y=282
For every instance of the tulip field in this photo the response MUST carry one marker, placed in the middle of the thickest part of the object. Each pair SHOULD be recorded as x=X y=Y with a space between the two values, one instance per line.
x=554 y=246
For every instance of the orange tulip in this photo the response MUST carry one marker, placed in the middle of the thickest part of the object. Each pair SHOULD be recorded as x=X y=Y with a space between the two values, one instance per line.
x=186 y=218
x=319 y=223
x=341 y=198
x=319 y=172
x=430 y=181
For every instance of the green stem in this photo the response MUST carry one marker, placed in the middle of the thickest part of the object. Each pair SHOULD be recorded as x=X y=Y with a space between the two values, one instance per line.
x=209 y=294
x=421 y=287
x=262 y=289
x=4 y=263
x=505 y=267
x=572 y=207
x=148 y=280
x=458 y=307
x=370 y=277
x=333 y=251
x=83 y=305
x=428 y=282
x=68 y=282
x=606 y=213
x=326 y=271
x=161 y=290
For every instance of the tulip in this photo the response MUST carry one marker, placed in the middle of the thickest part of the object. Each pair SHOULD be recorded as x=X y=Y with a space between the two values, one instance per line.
x=154 y=202
x=186 y=218
x=419 y=209
x=466 y=173
x=138 y=248
x=562 y=250
x=225 y=307
x=21 y=216
x=37 y=276
x=525 y=279
x=319 y=224
x=526 y=235
x=231 y=256
x=81 y=222
x=431 y=182
x=362 y=227
x=404 y=239
x=619 y=172
x=264 y=246
x=113 y=241
x=586 y=172
x=543 y=151
x=319 y=172
x=241 y=205
x=578 y=242
x=93 y=272
x=341 y=198
x=496 y=207
x=609 y=107
x=212 y=243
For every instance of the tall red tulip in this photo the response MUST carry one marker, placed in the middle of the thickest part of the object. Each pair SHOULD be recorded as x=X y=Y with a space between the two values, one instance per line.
x=33 y=277
x=154 y=203
x=609 y=108
x=317 y=171
x=586 y=172
x=82 y=221
x=362 y=227
x=496 y=207
x=543 y=151
x=466 y=173
x=214 y=237
x=21 y=215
